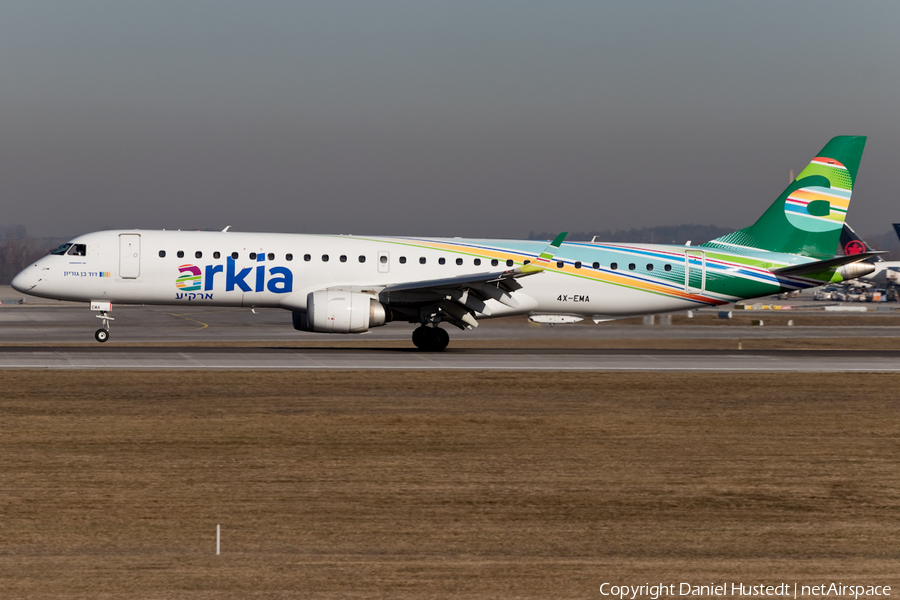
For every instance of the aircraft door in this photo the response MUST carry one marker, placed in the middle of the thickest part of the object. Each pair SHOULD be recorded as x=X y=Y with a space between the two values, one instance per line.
x=694 y=271
x=384 y=262
x=129 y=255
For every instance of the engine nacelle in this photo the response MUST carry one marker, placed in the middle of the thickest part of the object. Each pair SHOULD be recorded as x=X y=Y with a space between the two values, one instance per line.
x=332 y=311
x=854 y=270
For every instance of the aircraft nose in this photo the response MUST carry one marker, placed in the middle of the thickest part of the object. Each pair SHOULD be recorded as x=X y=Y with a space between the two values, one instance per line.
x=24 y=281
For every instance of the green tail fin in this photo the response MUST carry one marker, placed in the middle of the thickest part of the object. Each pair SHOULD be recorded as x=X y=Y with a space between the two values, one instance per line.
x=808 y=216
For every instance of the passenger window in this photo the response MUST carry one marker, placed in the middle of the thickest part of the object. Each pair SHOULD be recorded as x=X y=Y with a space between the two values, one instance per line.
x=382 y=259
x=559 y=264
x=577 y=264
x=162 y=253
x=442 y=261
x=402 y=260
x=343 y=258
x=198 y=254
x=270 y=256
x=62 y=249
x=217 y=254
x=421 y=260
x=668 y=267
x=509 y=262
x=477 y=262
x=324 y=258
x=631 y=267
x=234 y=255
x=181 y=254
x=288 y=256
x=614 y=266
x=527 y=262
x=362 y=258
x=649 y=266
x=307 y=257
x=253 y=256
x=596 y=265
x=494 y=262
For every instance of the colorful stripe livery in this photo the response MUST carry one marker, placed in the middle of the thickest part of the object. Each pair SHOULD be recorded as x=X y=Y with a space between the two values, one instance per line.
x=713 y=278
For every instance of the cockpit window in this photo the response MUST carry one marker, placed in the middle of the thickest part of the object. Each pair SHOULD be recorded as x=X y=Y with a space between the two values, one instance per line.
x=62 y=249
x=77 y=250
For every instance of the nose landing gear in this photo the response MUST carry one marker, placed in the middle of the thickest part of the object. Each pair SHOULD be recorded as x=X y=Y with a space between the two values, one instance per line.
x=102 y=334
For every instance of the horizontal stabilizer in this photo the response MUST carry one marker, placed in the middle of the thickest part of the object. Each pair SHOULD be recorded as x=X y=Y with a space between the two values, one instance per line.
x=824 y=265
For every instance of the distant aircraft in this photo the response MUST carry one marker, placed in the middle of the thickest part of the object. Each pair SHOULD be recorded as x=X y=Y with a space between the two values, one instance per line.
x=884 y=272
x=350 y=284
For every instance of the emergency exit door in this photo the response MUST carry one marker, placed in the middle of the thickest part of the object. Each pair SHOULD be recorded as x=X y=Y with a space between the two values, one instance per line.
x=694 y=271
x=129 y=255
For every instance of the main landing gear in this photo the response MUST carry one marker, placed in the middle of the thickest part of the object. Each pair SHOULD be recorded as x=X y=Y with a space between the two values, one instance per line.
x=430 y=339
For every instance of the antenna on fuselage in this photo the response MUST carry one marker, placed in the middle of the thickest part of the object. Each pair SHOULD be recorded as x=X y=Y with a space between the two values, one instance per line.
x=226 y=229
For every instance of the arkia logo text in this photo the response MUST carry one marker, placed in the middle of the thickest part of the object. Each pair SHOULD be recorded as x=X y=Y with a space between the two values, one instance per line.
x=277 y=280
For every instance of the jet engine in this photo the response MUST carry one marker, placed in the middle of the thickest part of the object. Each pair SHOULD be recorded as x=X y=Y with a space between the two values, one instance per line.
x=334 y=311
x=854 y=270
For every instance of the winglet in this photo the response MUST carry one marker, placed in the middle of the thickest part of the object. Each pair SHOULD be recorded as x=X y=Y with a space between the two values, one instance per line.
x=546 y=256
x=556 y=243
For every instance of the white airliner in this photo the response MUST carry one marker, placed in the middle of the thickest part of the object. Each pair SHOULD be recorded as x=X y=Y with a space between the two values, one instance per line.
x=350 y=284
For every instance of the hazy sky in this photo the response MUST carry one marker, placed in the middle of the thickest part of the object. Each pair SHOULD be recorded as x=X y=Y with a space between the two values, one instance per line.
x=436 y=118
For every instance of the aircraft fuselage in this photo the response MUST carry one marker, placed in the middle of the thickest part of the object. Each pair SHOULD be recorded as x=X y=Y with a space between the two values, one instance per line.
x=281 y=270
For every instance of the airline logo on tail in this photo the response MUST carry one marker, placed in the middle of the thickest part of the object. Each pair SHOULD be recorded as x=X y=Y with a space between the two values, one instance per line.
x=854 y=247
x=816 y=208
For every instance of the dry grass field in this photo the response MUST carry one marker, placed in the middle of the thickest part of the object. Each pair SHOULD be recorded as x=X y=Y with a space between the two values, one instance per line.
x=442 y=485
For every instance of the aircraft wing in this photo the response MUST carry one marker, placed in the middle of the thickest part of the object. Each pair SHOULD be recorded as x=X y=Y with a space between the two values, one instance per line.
x=458 y=299
x=505 y=278
x=823 y=265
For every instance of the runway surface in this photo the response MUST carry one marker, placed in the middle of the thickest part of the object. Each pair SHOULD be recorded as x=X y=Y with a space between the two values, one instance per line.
x=530 y=360
x=75 y=324
x=60 y=336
